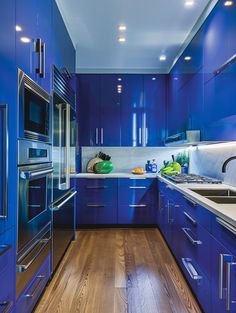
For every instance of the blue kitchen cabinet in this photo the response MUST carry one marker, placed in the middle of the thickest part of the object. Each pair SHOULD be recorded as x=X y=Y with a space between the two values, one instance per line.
x=154 y=113
x=7 y=271
x=132 y=111
x=63 y=51
x=34 y=22
x=96 y=201
x=88 y=90
x=137 y=201
x=110 y=130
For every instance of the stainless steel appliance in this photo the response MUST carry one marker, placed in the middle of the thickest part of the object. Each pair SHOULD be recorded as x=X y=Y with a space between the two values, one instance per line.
x=34 y=214
x=64 y=151
x=191 y=178
x=34 y=110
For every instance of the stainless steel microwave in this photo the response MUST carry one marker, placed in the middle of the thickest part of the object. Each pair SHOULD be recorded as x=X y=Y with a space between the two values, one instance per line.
x=34 y=110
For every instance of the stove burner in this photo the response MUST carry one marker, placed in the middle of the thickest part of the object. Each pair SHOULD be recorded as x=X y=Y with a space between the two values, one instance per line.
x=191 y=178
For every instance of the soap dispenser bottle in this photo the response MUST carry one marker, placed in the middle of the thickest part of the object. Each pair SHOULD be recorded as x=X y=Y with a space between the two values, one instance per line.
x=148 y=167
x=154 y=166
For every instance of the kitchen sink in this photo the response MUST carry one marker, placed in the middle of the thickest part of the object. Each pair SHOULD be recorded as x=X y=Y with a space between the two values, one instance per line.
x=215 y=192
x=223 y=200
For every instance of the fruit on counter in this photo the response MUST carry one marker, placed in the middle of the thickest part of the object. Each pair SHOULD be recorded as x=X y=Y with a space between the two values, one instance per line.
x=176 y=166
x=171 y=168
x=138 y=170
x=104 y=167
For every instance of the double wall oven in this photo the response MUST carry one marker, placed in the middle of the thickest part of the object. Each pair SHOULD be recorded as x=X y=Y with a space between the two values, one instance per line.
x=35 y=170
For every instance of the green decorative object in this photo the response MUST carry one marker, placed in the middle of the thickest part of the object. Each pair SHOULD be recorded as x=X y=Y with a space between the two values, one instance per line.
x=104 y=167
x=182 y=158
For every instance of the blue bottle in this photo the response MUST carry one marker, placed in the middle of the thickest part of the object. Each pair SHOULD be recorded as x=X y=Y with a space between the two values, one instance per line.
x=154 y=166
x=148 y=167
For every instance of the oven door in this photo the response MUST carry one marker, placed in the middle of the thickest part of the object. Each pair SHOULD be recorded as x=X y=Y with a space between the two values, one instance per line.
x=35 y=195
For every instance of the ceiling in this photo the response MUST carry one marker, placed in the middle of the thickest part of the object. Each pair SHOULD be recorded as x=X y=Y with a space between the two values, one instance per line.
x=154 y=28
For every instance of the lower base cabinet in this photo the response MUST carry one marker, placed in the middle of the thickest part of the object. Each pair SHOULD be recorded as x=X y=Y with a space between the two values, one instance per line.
x=29 y=297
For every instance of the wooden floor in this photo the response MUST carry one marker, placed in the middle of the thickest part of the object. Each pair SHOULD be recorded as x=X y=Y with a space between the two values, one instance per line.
x=118 y=271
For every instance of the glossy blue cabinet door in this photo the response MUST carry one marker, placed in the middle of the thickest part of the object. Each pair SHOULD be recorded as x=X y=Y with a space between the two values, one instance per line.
x=132 y=108
x=8 y=96
x=63 y=49
x=88 y=90
x=110 y=130
x=154 y=115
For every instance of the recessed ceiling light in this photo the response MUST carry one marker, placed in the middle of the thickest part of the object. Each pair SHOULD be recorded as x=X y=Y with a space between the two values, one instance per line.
x=228 y=3
x=188 y=58
x=25 y=40
x=154 y=78
x=119 y=79
x=121 y=39
x=189 y=3
x=18 y=28
x=122 y=28
x=162 y=57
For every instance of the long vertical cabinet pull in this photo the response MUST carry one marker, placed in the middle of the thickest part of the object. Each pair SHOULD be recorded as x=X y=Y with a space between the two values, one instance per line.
x=140 y=135
x=146 y=136
x=230 y=280
x=39 y=51
x=43 y=52
x=96 y=136
x=224 y=258
x=67 y=146
x=102 y=136
x=4 y=161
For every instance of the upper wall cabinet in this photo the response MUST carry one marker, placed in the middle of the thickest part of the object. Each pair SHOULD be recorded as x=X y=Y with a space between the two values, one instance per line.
x=33 y=39
x=63 y=49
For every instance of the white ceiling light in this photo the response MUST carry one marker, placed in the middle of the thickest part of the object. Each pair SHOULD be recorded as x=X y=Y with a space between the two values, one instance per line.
x=121 y=39
x=25 y=40
x=154 y=78
x=18 y=28
x=122 y=28
x=187 y=58
x=189 y=3
x=162 y=57
x=228 y=3
x=119 y=79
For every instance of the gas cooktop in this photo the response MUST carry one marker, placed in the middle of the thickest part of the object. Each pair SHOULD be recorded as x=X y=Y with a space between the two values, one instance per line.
x=191 y=178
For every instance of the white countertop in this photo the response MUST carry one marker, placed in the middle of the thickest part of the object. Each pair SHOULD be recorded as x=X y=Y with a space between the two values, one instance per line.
x=113 y=175
x=225 y=211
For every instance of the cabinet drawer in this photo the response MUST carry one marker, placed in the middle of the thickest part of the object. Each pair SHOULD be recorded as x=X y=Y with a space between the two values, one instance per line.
x=199 y=213
x=96 y=214
x=6 y=251
x=137 y=182
x=32 y=292
x=7 y=291
x=225 y=233
x=197 y=279
x=96 y=182
x=136 y=195
x=137 y=214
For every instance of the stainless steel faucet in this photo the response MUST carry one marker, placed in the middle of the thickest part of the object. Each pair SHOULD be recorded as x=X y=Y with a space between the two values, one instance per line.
x=226 y=162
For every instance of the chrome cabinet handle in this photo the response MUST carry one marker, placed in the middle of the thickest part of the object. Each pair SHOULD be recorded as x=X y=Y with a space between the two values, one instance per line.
x=41 y=278
x=160 y=196
x=4 y=182
x=54 y=207
x=102 y=136
x=39 y=51
x=193 y=241
x=224 y=258
x=169 y=213
x=137 y=205
x=6 y=305
x=226 y=225
x=146 y=136
x=140 y=135
x=96 y=136
x=24 y=267
x=229 y=267
x=96 y=187
x=4 y=249
x=95 y=205
x=43 y=51
x=189 y=217
x=30 y=174
x=137 y=187
x=190 y=201
x=187 y=262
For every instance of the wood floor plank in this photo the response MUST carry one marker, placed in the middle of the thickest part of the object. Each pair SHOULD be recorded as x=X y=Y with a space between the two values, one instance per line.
x=118 y=271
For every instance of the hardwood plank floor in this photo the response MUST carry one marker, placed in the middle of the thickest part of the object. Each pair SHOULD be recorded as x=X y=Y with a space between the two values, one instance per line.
x=118 y=271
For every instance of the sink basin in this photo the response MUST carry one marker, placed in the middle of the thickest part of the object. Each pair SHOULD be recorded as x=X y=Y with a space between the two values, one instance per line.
x=215 y=192
x=223 y=200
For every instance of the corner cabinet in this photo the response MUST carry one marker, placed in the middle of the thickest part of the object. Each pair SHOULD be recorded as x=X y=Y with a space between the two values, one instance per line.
x=122 y=110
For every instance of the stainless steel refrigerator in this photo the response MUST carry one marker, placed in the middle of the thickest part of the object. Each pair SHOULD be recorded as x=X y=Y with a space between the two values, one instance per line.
x=64 y=155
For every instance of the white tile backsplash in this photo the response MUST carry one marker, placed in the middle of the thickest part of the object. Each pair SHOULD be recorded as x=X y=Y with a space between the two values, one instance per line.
x=208 y=160
x=126 y=158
